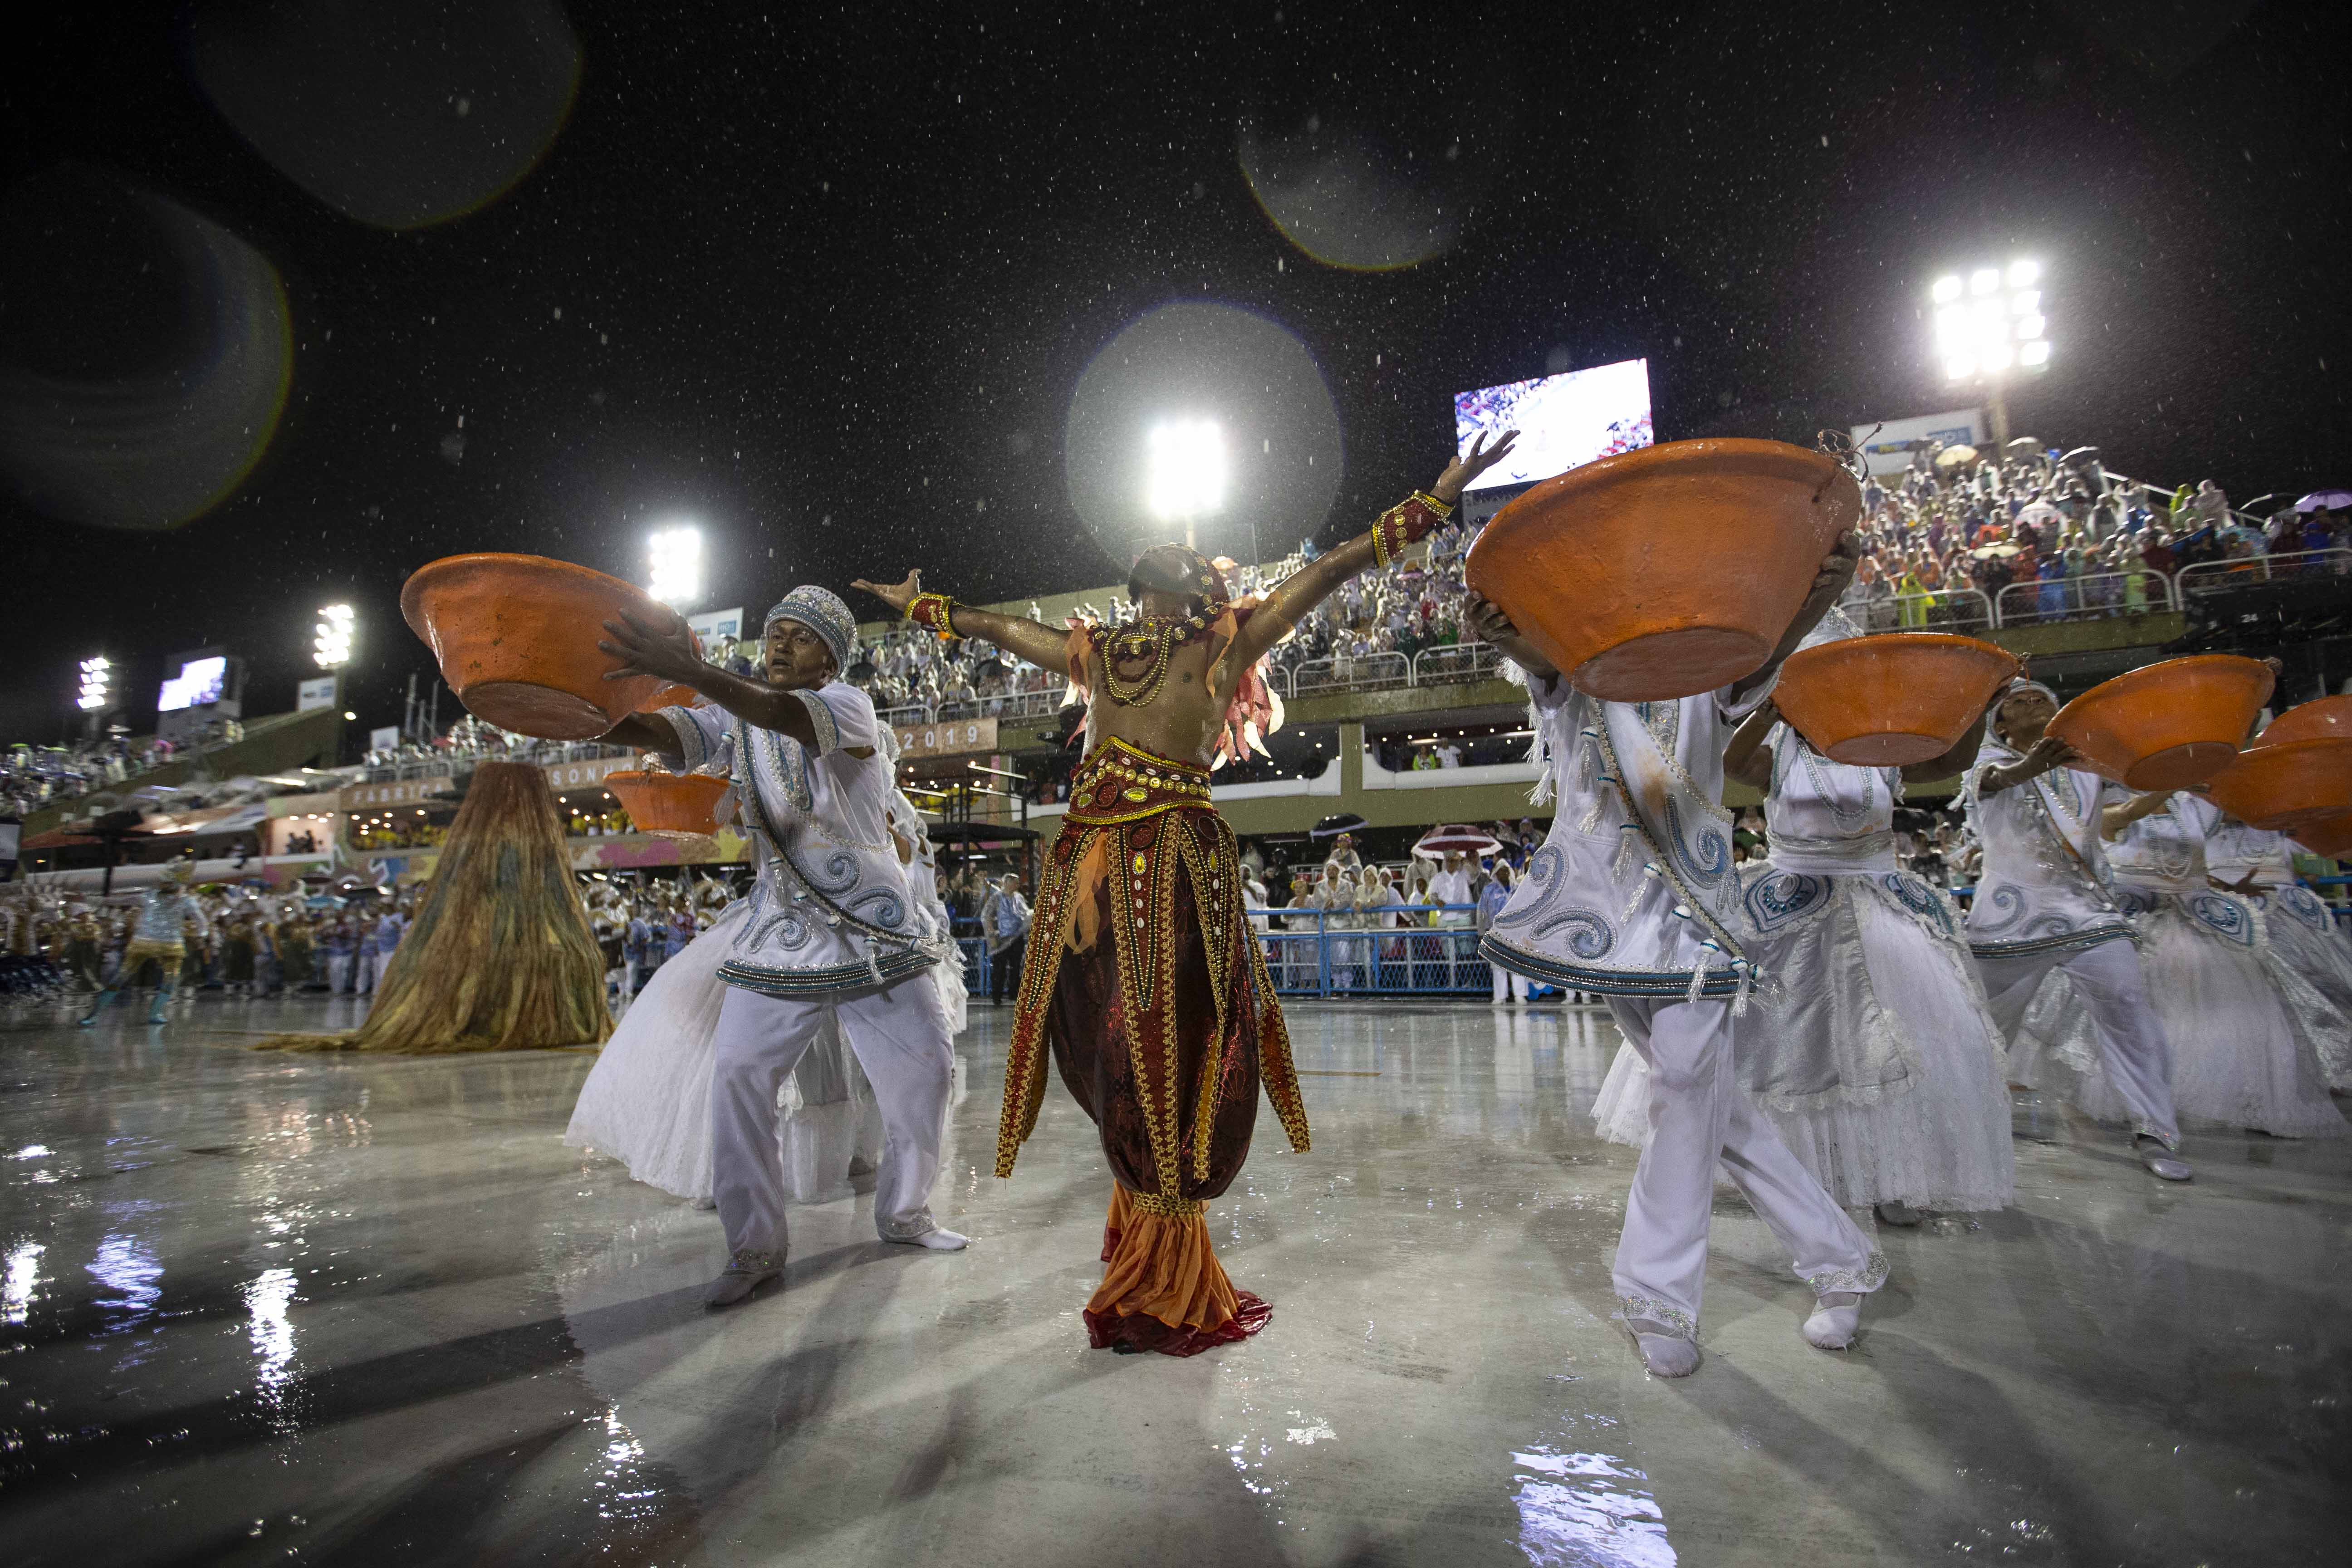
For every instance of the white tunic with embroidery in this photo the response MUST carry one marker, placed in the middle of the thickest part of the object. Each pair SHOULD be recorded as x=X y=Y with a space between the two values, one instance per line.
x=2044 y=887
x=1869 y=1046
x=829 y=911
x=1630 y=900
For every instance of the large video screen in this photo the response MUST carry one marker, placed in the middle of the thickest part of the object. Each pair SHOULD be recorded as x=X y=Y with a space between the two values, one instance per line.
x=199 y=682
x=1562 y=420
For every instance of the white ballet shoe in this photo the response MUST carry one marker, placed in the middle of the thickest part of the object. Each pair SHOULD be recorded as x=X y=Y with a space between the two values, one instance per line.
x=2161 y=1162
x=1665 y=1354
x=745 y=1272
x=1837 y=1317
x=933 y=1240
x=1898 y=1213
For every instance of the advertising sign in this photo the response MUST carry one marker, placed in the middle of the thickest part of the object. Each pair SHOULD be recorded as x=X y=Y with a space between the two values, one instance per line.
x=1890 y=450
x=716 y=628
x=385 y=739
x=953 y=738
x=318 y=693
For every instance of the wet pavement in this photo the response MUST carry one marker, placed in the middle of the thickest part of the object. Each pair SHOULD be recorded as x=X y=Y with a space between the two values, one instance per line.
x=265 y=1307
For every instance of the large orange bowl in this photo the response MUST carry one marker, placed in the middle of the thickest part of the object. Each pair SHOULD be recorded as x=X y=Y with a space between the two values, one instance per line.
x=669 y=697
x=1892 y=700
x=2329 y=717
x=2166 y=726
x=669 y=802
x=1668 y=571
x=2281 y=787
x=516 y=637
x=2329 y=835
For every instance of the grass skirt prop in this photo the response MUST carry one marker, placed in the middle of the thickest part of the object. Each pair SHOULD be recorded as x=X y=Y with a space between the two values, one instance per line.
x=2236 y=1018
x=501 y=956
x=646 y=1102
x=1148 y=985
x=1871 y=1049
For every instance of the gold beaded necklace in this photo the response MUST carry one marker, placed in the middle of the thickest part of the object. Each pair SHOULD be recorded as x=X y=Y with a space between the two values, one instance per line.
x=1152 y=639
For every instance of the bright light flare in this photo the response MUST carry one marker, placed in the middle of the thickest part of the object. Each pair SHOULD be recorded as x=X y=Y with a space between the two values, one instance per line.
x=1947 y=288
x=1985 y=281
x=2023 y=274
x=1185 y=476
x=331 y=641
x=2034 y=354
x=1982 y=331
x=677 y=557
x=97 y=681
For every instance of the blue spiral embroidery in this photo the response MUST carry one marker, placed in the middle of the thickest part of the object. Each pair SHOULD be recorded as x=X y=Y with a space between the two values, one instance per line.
x=2047 y=925
x=1589 y=935
x=2228 y=916
x=1714 y=858
x=791 y=932
x=1779 y=897
x=892 y=913
x=2304 y=905
x=1919 y=898
x=2007 y=900
x=840 y=874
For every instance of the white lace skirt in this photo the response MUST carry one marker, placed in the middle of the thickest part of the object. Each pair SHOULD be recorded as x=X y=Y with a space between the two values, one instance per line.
x=2234 y=1017
x=1940 y=1137
x=647 y=1101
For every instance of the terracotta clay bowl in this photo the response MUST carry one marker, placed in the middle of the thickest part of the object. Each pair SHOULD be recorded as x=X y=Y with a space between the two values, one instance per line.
x=2328 y=717
x=2283 y=786
x=669 y=697
x=2329 y=835
x=1892 y=700
x=1667 y=570
x=516 y=636
x=2166 y=726
x=669 y=803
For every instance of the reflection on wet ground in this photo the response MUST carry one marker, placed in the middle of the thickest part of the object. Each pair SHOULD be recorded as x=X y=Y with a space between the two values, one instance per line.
x=258 y=1306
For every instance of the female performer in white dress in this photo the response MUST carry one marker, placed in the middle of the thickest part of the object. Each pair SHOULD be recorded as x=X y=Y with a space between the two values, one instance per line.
x=646 y=1101
x=2242 y=1052
x=2302 y=932
x=1871 y=1047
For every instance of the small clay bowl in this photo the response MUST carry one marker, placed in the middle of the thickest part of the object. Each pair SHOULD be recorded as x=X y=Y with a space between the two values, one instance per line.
x=1669 y=571
x=2280 y=787
x=672 y=805
x=515 y=637
x=2166 y=726
x=2328 y=717
x=1892 y=700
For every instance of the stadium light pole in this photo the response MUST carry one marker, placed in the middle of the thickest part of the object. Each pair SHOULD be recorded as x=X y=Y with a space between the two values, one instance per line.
x=97 y=690
x=676 y=556
x=1184 y=474
x=1990 y=326
x=330 y=646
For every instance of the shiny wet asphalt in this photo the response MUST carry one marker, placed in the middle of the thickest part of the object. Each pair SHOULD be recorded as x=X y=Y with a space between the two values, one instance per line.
x=276 y=1309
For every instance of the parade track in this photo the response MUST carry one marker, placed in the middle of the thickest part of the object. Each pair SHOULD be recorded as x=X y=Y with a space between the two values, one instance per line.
x=260 y=1307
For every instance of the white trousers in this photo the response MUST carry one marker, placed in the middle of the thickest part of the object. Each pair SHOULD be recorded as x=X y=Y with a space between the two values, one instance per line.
x=899 y=1035
x=1509 y=984
x=2132 y=1046
x=1699 y=1118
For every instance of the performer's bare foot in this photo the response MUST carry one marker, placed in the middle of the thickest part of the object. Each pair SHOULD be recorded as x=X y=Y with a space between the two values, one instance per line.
x=933 y=1240
x=1835 y=1320
x=1664 y=1353
x=2161 y=1162
x=745 y=1272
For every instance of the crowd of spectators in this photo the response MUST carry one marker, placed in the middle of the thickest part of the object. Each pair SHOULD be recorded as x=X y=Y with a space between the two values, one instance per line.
x=32 y=777
x=2087 y=543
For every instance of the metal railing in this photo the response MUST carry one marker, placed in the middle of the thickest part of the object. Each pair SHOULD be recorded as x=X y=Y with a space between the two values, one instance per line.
x=1454 y=662
x=1946 y=609
x=2288 y=566
x=1351 y=672
x=546 y=754
x=2093 y=597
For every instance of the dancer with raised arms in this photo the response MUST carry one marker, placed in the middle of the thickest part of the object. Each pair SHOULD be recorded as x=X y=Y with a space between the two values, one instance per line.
x=1633 y=898
x=1144 y=978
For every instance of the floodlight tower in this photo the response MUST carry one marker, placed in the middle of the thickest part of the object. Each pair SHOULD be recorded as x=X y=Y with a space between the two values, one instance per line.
x=1990 y=326
x=1184 y=474
x=97 y=690
x=675 y=555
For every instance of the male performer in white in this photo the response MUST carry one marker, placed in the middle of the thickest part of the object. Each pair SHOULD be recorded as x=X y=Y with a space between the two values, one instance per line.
x=2042 y=903
x=1634 y=897
x=830 y=930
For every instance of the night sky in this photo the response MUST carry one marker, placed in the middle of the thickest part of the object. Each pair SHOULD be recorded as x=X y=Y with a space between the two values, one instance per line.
x=823 y=280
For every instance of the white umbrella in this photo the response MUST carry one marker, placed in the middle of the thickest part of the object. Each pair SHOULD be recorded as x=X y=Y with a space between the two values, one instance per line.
x=1455 y=839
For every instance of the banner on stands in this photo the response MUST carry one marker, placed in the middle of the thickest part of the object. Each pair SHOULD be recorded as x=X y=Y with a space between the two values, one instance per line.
x=1889 y=451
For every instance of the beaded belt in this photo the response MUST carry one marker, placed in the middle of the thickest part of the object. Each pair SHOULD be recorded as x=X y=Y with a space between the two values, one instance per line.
x=1120 y=783
x=1171 y=1208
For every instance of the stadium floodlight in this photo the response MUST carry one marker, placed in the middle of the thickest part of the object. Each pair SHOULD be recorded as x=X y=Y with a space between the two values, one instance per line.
x=330 y=642
x=1998 y=327
x=97 y=684
x=1184 y=477
x=677 y=557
